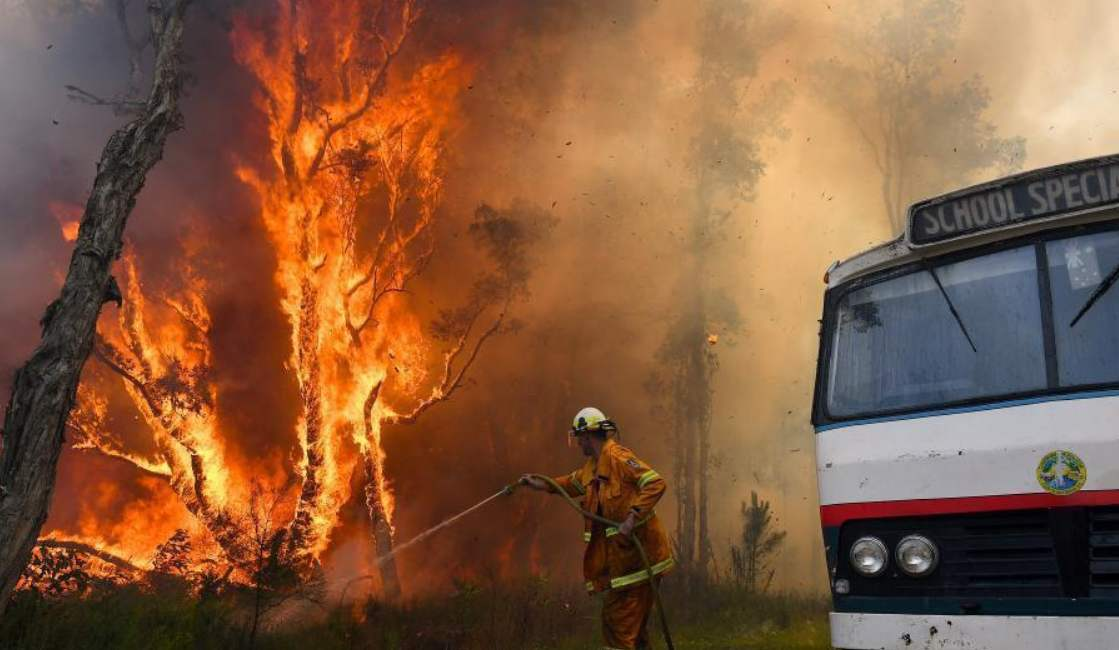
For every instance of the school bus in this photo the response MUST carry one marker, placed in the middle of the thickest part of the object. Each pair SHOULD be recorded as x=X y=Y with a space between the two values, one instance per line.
x=967 y=421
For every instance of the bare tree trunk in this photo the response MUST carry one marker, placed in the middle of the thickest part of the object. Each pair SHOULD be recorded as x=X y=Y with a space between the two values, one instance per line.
x=703 y=537
x=700 y=408
x=693 y=402
x=304 y=534
x=679 y=479
x=258 y=594
x=687 y=531
x=382 y=533
x=43 y=390
x=373 y=466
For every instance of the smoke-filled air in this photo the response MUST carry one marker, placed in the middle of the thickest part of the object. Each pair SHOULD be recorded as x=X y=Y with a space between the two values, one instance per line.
x=397 y=245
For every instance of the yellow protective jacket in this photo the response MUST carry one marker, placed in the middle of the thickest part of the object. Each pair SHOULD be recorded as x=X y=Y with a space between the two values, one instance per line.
x=612 y=487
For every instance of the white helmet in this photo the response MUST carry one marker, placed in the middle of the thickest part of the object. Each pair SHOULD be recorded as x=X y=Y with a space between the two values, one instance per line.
x=591 y=419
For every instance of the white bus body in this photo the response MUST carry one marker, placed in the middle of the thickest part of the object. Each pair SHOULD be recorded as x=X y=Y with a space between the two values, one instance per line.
x=967 y=432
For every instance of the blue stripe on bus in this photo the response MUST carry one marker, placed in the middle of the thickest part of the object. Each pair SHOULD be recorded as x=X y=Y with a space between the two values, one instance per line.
x=970 y=409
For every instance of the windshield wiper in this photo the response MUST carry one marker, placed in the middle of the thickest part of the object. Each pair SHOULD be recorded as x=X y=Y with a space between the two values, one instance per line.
x=951 y=306
x=1096 y=295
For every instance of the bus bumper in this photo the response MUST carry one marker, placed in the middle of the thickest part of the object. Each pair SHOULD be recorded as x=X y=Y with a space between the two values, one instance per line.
x=919 y=632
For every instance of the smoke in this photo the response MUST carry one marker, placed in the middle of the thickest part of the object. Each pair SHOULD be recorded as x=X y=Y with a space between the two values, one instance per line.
x=579 y=112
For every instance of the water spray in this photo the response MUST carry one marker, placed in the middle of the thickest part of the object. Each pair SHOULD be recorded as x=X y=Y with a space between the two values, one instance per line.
x=508 y=490
x=441 y=525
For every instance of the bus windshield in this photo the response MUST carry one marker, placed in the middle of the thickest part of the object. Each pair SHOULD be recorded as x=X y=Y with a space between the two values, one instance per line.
x=897 y=346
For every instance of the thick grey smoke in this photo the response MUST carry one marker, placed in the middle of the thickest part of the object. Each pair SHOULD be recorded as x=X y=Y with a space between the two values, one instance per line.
x=586 y=111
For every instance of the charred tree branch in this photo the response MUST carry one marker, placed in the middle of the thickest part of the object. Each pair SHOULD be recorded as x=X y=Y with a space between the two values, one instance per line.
x=86 y=549
x=373 y=86
x=44 y=388
x=200 y=326
x=115 y=361
x=122 y=105
x=160 y=471
x=449 y=386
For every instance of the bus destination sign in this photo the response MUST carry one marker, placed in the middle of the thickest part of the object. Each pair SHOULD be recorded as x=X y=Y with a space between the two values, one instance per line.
x=1077 y=187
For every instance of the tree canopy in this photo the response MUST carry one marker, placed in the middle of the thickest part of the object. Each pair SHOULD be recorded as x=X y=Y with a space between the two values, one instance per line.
x=926 y=134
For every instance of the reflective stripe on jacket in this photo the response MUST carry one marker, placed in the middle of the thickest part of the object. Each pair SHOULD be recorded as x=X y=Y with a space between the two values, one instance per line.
x=619 y=483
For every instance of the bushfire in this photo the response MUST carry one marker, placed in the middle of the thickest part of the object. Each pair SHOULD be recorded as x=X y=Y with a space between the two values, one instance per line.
x=358 y=143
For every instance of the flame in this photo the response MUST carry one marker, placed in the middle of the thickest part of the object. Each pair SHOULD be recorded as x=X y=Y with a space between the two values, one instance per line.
x=357 y=154
x=171 y=358
x=159 y=352
x=70 y=231
x=135 y=525
x=89 y=430
x=68 y=216
x=358 y=158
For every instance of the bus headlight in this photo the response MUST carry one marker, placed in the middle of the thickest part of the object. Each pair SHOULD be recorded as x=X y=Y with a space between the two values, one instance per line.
x=869 y=556
x=917 y=555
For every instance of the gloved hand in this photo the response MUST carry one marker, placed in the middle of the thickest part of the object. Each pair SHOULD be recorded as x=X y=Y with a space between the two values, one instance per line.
x=627 y=526
x=533 y=482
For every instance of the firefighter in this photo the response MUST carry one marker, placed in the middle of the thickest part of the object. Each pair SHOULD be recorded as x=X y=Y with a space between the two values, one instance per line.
x=617 y=485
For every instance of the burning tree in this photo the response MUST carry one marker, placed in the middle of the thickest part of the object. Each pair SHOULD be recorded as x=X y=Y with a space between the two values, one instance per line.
x=173 y=556
x=57 y=571
x=161 y=353
x=44 y=388
x=349 y=209
x=924 y=134
x=61 y=567
x=359 y=163
x=274 y=575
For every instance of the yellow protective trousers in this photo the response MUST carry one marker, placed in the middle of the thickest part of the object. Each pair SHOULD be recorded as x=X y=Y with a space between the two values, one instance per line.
x=625 y=617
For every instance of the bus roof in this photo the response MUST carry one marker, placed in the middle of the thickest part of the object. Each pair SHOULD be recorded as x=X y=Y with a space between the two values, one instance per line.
x=1041 y=199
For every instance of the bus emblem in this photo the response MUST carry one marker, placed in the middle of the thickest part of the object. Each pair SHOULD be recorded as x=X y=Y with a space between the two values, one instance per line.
x=1061 y=472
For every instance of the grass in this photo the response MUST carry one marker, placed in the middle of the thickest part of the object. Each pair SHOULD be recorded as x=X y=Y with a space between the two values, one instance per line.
x=124 y=618
x=727 y=618
x=532 y=615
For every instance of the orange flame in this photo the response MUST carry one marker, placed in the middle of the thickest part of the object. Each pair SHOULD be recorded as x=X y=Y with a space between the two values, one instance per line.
x=359 y=174
x=68 y=216
x=159 y=351
x=358 y=153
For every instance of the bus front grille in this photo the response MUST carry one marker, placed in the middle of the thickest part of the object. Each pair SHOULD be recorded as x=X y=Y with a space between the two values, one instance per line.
x=982 y=555
x=1103 y=542
x=1003 y=554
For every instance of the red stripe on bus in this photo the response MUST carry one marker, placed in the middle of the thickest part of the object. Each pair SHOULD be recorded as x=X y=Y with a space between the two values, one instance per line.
x=834 y=515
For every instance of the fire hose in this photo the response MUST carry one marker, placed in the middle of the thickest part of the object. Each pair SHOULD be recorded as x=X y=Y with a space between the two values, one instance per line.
x=508 y=490
x=653 y=583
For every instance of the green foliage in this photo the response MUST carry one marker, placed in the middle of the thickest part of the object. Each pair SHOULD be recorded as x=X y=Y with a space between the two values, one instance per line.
x=760 y=541
x=724 y=616
x=121 y=619
x=535 y=614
